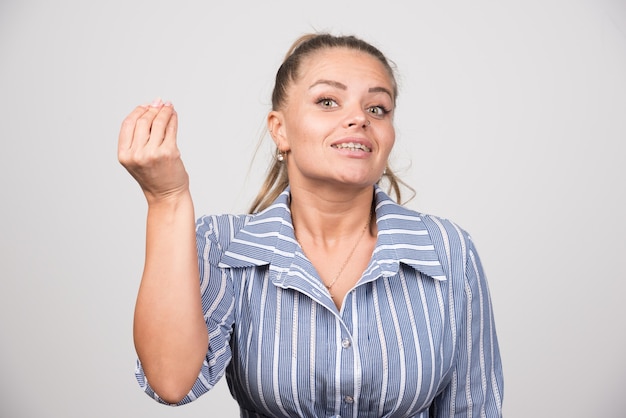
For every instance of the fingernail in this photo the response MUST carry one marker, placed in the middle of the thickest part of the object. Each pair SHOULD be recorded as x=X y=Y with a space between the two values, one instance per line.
x=168 y=103
x=157 y=102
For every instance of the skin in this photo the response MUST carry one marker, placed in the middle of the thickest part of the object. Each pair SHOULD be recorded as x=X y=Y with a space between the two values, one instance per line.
x=331 y=198
x=338 y=98
x=338 y=92
x=170 y=335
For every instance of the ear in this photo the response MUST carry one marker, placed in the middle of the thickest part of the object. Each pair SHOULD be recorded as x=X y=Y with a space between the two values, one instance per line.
x=276 y=128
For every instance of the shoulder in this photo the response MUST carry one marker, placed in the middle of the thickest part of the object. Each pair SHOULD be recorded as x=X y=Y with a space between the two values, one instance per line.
x=444 y=233
x=452 y=242
x=440 y=228
x=220 y=229
x=444 y=229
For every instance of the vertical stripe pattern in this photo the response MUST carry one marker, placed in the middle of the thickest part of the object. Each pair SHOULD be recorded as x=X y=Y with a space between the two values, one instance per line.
x=415 y=336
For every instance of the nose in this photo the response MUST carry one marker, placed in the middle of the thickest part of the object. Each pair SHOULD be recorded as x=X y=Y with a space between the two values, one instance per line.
x=358 y=118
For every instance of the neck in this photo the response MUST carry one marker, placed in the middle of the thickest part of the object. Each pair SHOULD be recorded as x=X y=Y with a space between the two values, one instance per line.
x=328 y=218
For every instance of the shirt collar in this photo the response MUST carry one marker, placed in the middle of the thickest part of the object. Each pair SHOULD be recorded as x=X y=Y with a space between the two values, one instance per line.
x=268 y=238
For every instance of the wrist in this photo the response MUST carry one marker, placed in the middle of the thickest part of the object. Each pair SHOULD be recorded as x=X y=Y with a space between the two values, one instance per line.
x=170 y=202
x=169 y=198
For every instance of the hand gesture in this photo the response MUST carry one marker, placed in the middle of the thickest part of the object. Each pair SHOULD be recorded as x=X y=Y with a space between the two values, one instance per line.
x=147 y=149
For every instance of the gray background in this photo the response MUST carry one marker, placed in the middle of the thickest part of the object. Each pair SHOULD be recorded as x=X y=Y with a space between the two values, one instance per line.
x=511 y=121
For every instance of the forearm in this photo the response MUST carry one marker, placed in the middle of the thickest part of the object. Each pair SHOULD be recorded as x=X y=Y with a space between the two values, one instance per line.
x=169 y=329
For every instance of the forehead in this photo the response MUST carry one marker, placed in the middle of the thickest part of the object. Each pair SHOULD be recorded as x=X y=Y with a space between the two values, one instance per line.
x=345 y=65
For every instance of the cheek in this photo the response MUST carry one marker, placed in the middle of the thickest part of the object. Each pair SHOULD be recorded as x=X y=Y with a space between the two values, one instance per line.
x=389 y=140
x=307 y=134
x=299 y=131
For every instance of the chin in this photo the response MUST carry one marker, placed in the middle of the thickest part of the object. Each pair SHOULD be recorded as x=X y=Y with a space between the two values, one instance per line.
x=358 y=182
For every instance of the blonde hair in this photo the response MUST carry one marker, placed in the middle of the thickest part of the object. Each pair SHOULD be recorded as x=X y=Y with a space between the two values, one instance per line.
x=277 y=179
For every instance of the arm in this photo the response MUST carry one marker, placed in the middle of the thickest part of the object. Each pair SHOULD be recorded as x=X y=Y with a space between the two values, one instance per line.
x=169 y=330
x=476 y=386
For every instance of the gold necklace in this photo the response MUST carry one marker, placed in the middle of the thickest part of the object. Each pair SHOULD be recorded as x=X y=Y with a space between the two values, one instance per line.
x=345 y=263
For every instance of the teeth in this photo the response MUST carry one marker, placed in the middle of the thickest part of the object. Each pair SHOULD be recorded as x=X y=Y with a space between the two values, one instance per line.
x=352 y=146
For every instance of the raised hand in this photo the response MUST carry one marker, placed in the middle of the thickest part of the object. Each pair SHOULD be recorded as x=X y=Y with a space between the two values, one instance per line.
x=169 y=329
x=147 y=149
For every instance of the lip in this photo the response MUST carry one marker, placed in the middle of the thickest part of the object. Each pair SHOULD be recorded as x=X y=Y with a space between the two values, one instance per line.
x=361 y=141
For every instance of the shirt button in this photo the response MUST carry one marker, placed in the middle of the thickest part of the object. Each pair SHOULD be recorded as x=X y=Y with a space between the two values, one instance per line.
x=345 y=343
x=348 y=399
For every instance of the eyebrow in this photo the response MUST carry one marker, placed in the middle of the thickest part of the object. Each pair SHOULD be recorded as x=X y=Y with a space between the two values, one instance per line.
x=342 y=86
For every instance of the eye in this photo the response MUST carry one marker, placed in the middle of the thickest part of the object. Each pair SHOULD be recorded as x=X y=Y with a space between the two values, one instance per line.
x=327 y=102
x=378 y=111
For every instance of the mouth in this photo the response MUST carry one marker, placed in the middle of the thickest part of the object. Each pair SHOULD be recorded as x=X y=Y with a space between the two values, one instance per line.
x=352 y=146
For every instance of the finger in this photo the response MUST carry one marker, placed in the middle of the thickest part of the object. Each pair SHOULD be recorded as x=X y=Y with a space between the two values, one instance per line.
x=143 y=127
x=159 y=125
x=171 y=130
x=127 y=130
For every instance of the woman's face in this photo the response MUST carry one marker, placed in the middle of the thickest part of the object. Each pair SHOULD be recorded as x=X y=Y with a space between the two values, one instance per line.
x=337 y=122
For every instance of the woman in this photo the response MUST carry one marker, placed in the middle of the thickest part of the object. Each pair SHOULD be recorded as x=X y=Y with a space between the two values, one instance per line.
x=330 y=299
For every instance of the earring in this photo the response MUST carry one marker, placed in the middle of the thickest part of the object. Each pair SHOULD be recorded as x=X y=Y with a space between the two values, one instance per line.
x=280 y=156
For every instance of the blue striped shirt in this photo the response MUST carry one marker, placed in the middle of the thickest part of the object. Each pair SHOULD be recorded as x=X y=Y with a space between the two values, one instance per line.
x=415 y=337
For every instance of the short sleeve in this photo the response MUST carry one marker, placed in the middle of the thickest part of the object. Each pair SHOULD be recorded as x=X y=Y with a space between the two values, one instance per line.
x=216 y=291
